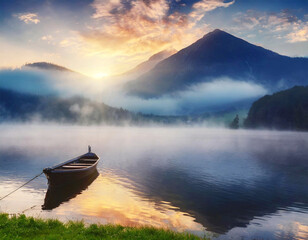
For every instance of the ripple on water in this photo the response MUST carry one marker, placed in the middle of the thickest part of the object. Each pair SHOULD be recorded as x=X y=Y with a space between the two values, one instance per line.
x=236 y=183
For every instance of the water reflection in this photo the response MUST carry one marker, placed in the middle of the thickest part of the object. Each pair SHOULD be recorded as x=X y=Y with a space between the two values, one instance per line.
x=56 y=195
x=284 y=225
x=221 y=207
x=113 y=199
x=250 y=184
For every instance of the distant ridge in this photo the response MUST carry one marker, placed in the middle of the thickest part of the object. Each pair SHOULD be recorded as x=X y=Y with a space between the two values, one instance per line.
x=162 y=54
x=220 y=54
x=151 y=62
x=47 y=66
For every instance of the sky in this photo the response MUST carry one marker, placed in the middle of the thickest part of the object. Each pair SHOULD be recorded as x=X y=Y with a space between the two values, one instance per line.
x=107 y=37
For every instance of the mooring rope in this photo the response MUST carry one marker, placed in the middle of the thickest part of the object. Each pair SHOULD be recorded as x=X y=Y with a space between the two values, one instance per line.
x=21 y=186
x=28 y=209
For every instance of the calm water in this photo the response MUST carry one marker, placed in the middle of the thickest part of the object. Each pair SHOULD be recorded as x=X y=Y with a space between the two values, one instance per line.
x=231 y=184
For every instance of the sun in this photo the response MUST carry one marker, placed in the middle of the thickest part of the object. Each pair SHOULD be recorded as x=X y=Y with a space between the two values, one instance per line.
x=99 y=75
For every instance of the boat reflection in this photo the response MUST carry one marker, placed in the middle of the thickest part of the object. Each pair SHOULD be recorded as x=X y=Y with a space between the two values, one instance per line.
x=56 y=195
x=113 y=199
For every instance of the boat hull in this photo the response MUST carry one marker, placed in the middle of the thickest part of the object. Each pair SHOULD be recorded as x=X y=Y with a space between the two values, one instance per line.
x=68 y=177
x=72 y=171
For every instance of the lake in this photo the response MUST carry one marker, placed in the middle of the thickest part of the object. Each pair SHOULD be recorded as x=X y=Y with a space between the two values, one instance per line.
x=228 y=184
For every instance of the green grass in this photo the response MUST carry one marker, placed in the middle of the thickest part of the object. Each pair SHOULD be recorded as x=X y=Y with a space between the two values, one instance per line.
x=22 y=227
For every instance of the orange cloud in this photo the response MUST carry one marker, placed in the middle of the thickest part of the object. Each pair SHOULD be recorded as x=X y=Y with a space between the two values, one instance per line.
x=204 y=6
x=29 y=18
x=299 y=34
x=145 y=26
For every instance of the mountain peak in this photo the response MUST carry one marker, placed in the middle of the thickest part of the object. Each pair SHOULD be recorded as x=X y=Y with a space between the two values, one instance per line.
x=219 y=54
x=219 y=45
x=217 y=33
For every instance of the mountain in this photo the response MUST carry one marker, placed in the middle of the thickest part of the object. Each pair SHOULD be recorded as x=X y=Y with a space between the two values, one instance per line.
x=41 y=78
x=48 y=66
x=140 y=69
x=283 y=110
x=150 y=63
x=220 y=54
x=135 y=72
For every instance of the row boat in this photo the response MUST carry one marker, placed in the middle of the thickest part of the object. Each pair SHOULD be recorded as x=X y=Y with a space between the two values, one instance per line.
x=73 y=170
x=58 y=194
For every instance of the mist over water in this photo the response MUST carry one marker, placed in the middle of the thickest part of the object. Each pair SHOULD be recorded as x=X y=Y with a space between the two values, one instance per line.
x=213 y=95
x=250 y=184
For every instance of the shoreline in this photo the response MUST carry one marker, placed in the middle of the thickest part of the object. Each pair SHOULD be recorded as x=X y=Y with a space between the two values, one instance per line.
x=22 y=227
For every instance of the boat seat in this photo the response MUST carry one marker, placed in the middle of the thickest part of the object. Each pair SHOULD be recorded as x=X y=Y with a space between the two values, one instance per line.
x=80 y=164
x=73 y=167
x=87 y=160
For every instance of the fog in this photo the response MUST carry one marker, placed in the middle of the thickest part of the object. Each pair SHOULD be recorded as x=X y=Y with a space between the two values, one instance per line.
x=209 y=96
x=47 y=82
x=136 y=142
x=216 y=95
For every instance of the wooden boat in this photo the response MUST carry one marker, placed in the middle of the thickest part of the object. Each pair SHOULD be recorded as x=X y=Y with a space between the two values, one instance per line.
x=58 y=194
x=72 y=171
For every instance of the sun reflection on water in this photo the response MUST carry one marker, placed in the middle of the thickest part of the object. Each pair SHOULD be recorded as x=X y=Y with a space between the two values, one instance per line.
x=112 y=199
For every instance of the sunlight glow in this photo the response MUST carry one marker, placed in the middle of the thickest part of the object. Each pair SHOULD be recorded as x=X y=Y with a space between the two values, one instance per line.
x=113 y=202
x=99 y=75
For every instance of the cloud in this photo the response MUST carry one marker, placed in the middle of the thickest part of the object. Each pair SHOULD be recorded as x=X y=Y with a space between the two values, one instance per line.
x=112 y=36
x=281 y=25
x=141 y=26
x=127 y=27
x=298 y=35
x=273 y=21
x=248 y=20
x=29 y=18
x=47 y=38
x=209 y=96
x=204 y=6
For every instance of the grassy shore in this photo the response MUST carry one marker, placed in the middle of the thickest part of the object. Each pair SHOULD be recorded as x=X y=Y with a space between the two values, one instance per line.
x=22 y=227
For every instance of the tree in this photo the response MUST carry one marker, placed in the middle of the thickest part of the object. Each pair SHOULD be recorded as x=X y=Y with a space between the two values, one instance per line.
x=235 y=123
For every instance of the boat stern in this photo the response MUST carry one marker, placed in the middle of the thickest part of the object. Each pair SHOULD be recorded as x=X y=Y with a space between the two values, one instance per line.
x=47 y=170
